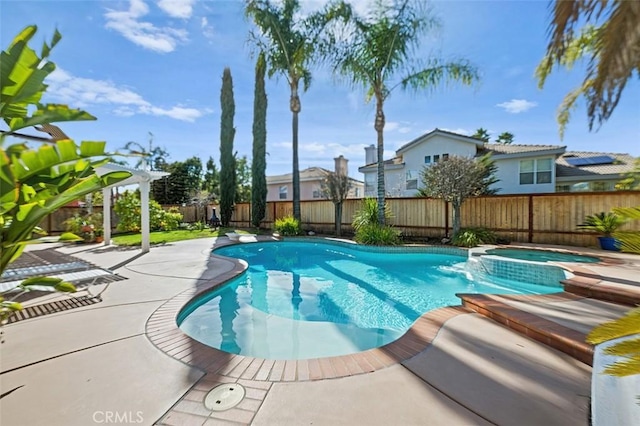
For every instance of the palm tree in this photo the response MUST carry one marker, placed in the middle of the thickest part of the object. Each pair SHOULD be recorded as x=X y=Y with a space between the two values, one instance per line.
x=378 y=53
x=611 y=47
x=505 y=138
x=482 y=134
x=290 y=44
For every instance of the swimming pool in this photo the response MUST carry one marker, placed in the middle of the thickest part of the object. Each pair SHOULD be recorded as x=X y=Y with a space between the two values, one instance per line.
x=300 y=300
x=541 y=255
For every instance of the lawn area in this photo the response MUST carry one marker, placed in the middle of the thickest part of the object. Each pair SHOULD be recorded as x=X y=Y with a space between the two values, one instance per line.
x=163 y=237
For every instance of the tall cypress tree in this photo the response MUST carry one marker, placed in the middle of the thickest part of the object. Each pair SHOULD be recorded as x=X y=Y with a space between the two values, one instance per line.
x=259 y=162
x=227 y=161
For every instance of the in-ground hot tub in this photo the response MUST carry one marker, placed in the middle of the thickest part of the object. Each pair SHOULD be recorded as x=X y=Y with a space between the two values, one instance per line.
x=535 y=255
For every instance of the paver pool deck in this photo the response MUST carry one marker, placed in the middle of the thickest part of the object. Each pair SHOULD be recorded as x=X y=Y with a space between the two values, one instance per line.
x=119 y=361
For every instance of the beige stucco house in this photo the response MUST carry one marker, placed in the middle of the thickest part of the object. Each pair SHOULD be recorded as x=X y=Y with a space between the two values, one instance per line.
x=280 y=187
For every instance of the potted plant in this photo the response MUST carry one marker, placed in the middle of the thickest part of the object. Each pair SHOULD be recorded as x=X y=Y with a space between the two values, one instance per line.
x=95 y=221
x=604 y=223
x=88 y=227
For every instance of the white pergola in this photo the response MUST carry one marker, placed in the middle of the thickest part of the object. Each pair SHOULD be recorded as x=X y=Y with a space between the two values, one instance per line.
x=143 y=179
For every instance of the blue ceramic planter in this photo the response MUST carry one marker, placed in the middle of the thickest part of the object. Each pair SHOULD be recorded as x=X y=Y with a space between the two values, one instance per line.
x=609 y=243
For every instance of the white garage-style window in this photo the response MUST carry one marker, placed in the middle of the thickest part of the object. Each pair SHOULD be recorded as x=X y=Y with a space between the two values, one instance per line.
x=412 y=179
x=535 y=171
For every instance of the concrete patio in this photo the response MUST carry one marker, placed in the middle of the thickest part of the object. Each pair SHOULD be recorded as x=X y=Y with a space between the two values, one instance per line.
x=97 y=364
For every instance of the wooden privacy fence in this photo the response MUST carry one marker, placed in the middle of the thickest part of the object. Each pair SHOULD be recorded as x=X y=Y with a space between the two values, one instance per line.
x=535 y=218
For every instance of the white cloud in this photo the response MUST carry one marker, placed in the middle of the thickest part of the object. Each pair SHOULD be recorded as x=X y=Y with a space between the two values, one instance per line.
x=399 y=126
x=177 y=8
x=390 y=126
x=459 y=131
x=145 y=34
x=516 y=106
x=81 y=92
x=329 y=150
x=207 y=30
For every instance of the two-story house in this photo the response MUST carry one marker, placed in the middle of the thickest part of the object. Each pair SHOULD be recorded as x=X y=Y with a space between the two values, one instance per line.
x=280 y=187
x=521 y=169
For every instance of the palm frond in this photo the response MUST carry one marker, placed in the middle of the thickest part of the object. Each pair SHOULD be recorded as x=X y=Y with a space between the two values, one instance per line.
x=610 y=45
x=624 y=348
x=626 y=367
x=626 y=325
x=436 y=73
x=629 y=240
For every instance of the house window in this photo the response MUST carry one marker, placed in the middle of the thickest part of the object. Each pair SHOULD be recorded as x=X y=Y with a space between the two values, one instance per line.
x=543 y=170
x=317 y=194
x=563 y=188
x=445 y=157
x=436 y=158
x=370 y=183
x=283 y=192
x=427 y=159
x=535 y=171
x=599 y=186
x=412 y=179
x=357 y=192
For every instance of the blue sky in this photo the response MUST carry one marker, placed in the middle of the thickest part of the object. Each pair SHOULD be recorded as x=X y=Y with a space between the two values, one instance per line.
x=154 y=66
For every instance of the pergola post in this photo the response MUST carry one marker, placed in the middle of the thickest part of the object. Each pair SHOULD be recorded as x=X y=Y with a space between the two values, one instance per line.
x=143 y=178
x=106 y=215
x=144 y=209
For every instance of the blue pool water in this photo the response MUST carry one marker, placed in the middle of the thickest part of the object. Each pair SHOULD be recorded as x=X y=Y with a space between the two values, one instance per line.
x=303 y=300
x=541 y=255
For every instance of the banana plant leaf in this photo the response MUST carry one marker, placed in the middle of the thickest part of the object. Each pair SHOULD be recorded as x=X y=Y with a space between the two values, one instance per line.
x=22 y=76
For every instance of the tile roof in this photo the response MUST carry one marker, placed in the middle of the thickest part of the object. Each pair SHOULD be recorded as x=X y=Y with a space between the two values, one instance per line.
x=435 y=131
x=623 y=163
x=309 y=173
x=505 y=149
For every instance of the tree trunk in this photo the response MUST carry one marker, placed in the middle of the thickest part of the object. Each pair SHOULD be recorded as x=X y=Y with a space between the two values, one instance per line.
x=295 y=109
x=456 y=218
x=338 y=219
x=379 y=126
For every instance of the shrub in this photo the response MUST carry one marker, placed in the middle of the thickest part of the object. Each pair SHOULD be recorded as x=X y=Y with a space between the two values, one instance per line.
x=169 y=221
x=368 y=213
x=287 y=226
x=471 y=237
x=128 y=210
x=374 y=234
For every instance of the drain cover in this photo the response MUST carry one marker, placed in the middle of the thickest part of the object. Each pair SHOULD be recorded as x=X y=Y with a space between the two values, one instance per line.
x=224 y=397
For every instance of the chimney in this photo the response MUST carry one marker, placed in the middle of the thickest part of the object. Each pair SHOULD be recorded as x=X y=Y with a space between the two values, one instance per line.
x=341 y=165
x=371 y=154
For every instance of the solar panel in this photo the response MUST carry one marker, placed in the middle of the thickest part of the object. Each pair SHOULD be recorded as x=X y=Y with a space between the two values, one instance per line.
x=590 y=161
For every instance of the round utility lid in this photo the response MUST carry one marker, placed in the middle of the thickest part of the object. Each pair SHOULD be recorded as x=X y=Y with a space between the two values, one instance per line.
x=224 y=397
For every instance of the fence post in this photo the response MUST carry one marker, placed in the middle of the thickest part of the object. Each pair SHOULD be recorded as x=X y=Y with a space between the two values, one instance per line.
x=530 y=237
x=446 y=219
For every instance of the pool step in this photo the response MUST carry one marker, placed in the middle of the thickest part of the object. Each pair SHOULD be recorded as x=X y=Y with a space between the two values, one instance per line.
x=587 y=284
x=564 y=339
